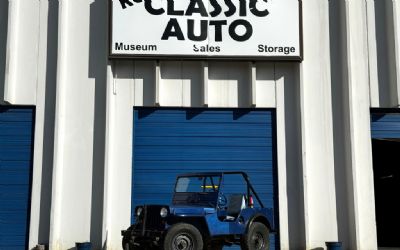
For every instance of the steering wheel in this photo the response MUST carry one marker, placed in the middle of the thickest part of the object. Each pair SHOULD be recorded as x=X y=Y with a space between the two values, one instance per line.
x=222 y=201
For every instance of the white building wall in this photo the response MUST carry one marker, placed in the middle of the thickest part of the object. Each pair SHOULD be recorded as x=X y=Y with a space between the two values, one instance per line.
x=290 y=180
x=359 y=125
x=118 y=168
x=21 y=69
x=40 y=206
x=77 y=187
x=84 y=107
x=316 y=124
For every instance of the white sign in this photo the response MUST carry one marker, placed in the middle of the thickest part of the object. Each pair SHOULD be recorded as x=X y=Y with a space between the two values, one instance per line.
x=263 y=29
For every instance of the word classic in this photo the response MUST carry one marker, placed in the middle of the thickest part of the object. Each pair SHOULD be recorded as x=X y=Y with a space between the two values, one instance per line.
x=239 y=30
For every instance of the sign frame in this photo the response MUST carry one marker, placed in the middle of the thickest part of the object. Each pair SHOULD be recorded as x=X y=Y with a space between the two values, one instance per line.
x=204 y=57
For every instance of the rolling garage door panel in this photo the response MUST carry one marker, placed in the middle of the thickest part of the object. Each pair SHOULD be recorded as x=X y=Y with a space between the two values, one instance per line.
x=16 y=143
x=385 y=125
x=168 y=142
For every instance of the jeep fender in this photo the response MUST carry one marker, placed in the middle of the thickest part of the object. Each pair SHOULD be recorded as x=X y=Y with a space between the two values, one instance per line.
x=259 y=217
x=197 y=221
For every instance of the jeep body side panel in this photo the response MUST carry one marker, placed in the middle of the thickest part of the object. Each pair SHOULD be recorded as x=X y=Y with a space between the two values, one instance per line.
x=238 y=226
x=218 y=228
x=191 y=211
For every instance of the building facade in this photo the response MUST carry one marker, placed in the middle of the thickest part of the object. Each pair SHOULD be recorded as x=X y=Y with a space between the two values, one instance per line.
x=83 y=136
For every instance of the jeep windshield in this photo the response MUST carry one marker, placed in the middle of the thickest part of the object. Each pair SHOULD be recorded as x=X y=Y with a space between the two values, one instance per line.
x=197 y=190
x=197 y=184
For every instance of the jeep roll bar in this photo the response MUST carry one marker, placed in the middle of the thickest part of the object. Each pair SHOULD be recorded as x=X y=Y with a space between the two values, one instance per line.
x=250 y=188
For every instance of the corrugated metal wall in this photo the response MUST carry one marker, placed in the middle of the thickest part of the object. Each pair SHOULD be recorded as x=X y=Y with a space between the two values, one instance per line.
x=385 y=125
x=168 y=142
x=16 y=152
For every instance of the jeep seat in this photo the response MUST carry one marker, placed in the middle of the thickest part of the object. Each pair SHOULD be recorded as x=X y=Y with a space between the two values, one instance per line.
x=236 y=203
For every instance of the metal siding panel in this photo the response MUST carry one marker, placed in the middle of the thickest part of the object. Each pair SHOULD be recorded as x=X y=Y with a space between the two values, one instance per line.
x=385 y=125
x=16 y=144
x=172 y=141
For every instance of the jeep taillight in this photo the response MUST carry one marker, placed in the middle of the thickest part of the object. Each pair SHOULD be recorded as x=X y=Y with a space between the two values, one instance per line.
x=251 y=202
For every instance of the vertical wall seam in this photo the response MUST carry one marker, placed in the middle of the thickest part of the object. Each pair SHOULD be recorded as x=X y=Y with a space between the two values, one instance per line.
x=38 y=52
x=109 y=153
x=13 y=21
x=204 y=71
x=183 y=104
x=351 y=146
x=157 y=69
x=396 y=47
x=36 y=188
x=59 y=127
x=368 y=52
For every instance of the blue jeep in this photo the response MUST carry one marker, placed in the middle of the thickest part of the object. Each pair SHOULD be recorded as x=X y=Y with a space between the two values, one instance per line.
x=203 y=216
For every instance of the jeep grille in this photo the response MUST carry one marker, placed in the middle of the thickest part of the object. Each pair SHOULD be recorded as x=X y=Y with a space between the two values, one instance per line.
x=151 y=219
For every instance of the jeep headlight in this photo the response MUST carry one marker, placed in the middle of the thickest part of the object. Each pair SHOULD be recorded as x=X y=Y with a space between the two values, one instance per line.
x=163 y=212
x=139 y=211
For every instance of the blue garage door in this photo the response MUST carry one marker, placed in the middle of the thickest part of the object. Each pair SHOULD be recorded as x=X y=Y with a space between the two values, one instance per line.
x=168 y=142
x=16 y=144
x=385 y=125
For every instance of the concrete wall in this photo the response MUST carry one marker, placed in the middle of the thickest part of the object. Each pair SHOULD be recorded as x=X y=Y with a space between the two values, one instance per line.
x=83 y=138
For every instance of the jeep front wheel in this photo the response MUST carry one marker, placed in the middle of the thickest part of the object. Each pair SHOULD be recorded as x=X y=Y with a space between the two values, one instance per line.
x=128 y=240
x=183 y=236
x=128 y=243
x=257 y=238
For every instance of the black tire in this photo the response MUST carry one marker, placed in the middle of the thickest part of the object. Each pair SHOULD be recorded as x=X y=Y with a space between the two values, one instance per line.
x=128 y=243
x=257 y=238
x=183 y=236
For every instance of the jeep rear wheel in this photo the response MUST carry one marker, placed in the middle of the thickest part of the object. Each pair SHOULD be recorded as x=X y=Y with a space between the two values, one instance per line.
x=257 y=238
x=183 y=236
